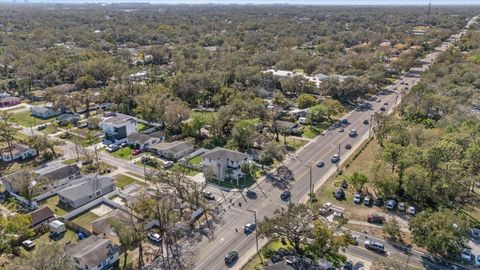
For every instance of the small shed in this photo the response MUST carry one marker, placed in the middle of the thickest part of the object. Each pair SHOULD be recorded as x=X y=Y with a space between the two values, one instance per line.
x=57 y=227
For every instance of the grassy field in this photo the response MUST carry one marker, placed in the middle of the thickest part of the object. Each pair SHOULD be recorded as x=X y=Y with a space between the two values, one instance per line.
x=295 y=143
x=26 y=120
x=52 y=203
x=85 y=220
x=179 y=168
x=123 y=153
x=123 y=180
x=206 y=116
x=311 y=132
x=196 y=160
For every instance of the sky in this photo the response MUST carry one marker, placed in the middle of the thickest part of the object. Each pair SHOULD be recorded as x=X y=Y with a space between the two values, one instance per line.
x=297 y=2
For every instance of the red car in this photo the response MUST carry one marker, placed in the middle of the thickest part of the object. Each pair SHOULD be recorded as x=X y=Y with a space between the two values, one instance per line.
x=375 y=218
x=136 y=152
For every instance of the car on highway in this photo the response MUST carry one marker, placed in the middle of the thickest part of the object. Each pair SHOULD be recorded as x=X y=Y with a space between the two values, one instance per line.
x=375 y=218
x=231 y=258
x=391 y=204
x=209 y=195
x=42 y=127
x=353 y=133
x=335 y=158
x=251 y=194
x=383 y=109
x=136 y=152
x=348 y=146
x=339 y=194
x=320 y=163
x=154 y=237
x=386 y=103
x=112 y=148
x=357 y=198
x=401 y=206
x=411 y=210
x=285 y=196
x=366 y=122
x=374 y=245
x=368 y=200
x=341 y=130
x=467 y=255
x=249 y=227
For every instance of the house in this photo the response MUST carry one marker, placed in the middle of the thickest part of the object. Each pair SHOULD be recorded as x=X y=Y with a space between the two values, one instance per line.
x=172 y=150
x=59 y=174
x=101 y=226
x=37 y=95
x=225 y=163
x=118 y=126
x=17 y=152
x=68 y=118
x=41 y=217
x=297 y=113
x=86 y=189
x=44 y=112
x=10 y=101
x=143 y=141
x=94 y=253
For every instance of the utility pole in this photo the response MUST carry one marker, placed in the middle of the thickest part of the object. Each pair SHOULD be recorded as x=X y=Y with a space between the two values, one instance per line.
x=310 y=170
x=96 y=156
x=396 y=98
x=370 y=125
x=256 y=232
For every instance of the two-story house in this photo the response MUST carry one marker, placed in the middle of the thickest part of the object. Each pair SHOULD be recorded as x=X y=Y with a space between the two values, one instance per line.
x=94 y=253
x=225 y=163
x=118 y=126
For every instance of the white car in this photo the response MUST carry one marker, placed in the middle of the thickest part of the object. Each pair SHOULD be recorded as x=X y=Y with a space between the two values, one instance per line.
x=411 y=210
x=112 y=148
x=155 y=237
x=335 y=158
x=401 y=206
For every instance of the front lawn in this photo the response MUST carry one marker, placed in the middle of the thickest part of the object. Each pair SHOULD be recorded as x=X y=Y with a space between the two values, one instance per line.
x=311 y=132
x=85 y=220
x=256 y=263
x=295 y=143
x=53 y=204
x=181 y=169
x=122 y=180
x=123 y=153
x=25 y=119
x=231 y=184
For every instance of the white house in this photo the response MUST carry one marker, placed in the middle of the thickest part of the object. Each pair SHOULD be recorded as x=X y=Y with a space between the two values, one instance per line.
x=17 y=152
x=94 y=253
x=86 y=189
x=225 y=163
x=172 y=150
x=118 y=126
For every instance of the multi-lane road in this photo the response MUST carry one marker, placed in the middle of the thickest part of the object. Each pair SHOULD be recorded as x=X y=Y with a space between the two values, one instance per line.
x=210 y=253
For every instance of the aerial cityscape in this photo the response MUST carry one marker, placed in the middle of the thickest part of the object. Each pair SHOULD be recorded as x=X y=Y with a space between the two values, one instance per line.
x=246 y=135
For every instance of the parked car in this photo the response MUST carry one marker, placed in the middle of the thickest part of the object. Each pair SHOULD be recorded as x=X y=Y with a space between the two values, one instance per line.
x=136 y=152
x=348 y=146
x=168 y=164
x=209 y=195
x=28 y=244
x=467 y=255
x=368 y=200
x=344 y=121
x=123 y=144
x=348 y=265
x=341 y=130
x=357 y=198
x=375 y=218
x=391 y=204
x=366 y=122
x=475 y=233
x=335 y=158
x=285 y=196
x=42 y=127
x=401 y=206
x=87 y=162
x=344 y=184
x=411 y=210
x=112 y=148
x=383 y=109
x=379 y=202
x=374 y=245
x=231 y=257
x=155 y=237
x=353 y=133
x=249 y=227
x=386 y=103
x=251 y=194
x=477 y=261
x=320 y=164
x=339 y=194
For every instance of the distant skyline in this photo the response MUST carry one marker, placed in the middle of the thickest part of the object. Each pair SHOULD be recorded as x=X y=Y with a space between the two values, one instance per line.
x=263 y=2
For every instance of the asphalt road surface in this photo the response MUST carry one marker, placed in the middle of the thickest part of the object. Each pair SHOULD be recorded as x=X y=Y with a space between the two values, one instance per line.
x=210 y=253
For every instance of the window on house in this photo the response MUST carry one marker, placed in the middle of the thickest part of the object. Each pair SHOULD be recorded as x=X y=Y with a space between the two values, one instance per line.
x=99 y=192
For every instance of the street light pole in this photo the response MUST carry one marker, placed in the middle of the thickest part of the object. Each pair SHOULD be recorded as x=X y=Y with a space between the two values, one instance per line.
x=256 y=233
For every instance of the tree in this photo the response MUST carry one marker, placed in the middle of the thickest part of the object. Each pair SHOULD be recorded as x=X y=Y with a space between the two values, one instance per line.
x=306 y=101
x=272 y=151
x=279 y=99
x=381 y=127
x=12 y=229
x=175 y=113
x=417 y=184
x=443 y=233
x=357 y=180
x=392 y=229
x=317 y=114
x=244 y=133
x=325 y=244
x=122 y=225
x=8 y=130
x=51 y=256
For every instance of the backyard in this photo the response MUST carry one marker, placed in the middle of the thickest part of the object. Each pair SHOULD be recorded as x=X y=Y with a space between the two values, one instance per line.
x=53 y=204
x=84 y=220
x=26 y=120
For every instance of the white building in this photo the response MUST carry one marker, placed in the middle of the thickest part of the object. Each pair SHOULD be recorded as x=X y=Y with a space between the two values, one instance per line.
x=118 y=126
x=225 y=163
x=17 y=152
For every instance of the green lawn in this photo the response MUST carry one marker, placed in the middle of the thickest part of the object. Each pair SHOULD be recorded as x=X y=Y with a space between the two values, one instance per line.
x=123 y=180
x=15 y=109
x=69 y=236
x=52 y=203
x=70 y=161
x=85 y=220
x=26 y=120
x=141 y=127
x=123 y=153
x=196 y=160
x=242 y=183
x=179 y=168
x=311 y=132
x=295 y=143
x=207 y=117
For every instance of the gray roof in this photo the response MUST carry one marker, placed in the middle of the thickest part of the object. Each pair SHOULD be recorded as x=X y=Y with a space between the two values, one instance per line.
x=92 y=250
x=41 y=109
x=85 y=186
x=102 y=223
x=174 y=147
x=220 y=153
x=58 y=171
x=118 y=119
x=68 y=117
x=286 y=124
x=138 y=137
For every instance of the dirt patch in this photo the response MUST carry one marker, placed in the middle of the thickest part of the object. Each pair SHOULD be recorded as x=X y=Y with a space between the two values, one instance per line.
x=101 y=210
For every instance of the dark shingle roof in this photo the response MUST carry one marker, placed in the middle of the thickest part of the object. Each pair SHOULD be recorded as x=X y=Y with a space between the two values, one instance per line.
x=220 y=153
x=41 y=215
x=58 y=171
x=92 y=250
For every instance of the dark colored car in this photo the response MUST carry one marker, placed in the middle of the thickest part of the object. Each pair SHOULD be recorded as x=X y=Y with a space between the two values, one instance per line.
x=379 y=202
x=339 y=194
x=344 y=184
x=285 y=195
x=383 y=109
x=348 y=146
x=250 y=227
x=366 y=122
x=136 y=152
x=42 y=126
x=375 y=218
x=344 y=121
x=251 y=194
x=231 y=258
